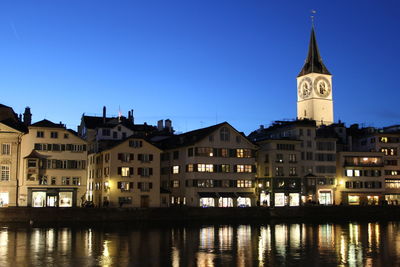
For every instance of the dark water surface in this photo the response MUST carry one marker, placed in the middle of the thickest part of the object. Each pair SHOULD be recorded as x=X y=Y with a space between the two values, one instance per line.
x=280 y=244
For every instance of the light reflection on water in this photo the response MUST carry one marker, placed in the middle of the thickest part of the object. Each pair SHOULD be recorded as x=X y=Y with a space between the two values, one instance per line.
x=350 y=244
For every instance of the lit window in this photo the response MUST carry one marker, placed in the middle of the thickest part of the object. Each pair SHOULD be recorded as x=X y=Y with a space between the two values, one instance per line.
x=279 y=199
x=244 y=168
x=383 y=139
x=244 y=183
x=175 y=183
x=125 y=171
x=354 y=200
x=175 y=169
x=294 y=199
x=356 y=172
x=349 y=173
x=243 y=153
x=190 y=168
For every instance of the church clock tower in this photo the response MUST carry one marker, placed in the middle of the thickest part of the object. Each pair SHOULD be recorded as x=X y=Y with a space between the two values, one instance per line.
x=314 y=88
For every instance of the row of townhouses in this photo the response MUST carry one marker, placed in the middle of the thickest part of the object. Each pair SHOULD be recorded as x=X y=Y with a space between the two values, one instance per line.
x=115 y=162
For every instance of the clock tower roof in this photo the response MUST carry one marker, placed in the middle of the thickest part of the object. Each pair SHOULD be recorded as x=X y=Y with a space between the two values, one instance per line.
x=313 y=62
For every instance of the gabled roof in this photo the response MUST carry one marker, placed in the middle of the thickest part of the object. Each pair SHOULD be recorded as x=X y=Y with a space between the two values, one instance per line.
x=47 y=124
x=313 y=62
x=17 y=125
x=109 y=144
x=192 y=137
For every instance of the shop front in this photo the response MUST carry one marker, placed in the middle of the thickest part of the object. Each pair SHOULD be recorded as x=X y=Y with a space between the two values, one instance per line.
x=4 y=199
x=52 y=197
x=368 y=198
x=325 y=197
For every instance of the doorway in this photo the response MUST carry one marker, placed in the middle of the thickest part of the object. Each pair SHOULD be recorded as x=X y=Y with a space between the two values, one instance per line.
x=51 y=201
x=144 y=201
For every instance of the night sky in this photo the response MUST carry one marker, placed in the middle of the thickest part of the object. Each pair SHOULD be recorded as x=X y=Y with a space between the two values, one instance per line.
x=196 y=62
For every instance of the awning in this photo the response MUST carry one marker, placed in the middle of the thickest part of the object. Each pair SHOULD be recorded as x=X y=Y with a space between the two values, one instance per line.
x=245 y=194
x=207 y=194
x=227 y=194
x=35 y=155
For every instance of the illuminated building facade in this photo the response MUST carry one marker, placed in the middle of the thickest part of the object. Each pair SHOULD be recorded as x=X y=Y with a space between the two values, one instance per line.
x=278 y=180
x=11 y=131
x=360 y=178
x=53 y=166
x=386 y=141
x=126 y=174
x=209 y=167
x=312 y=173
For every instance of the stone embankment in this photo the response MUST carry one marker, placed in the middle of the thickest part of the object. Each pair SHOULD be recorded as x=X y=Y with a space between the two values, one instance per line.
x=60 y=216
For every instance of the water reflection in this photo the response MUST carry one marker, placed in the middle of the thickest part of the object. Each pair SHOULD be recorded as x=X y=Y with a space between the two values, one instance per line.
x=350 y=244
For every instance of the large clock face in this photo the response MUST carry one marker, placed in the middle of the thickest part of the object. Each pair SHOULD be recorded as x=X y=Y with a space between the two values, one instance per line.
x=322 y=87
x=305 y=87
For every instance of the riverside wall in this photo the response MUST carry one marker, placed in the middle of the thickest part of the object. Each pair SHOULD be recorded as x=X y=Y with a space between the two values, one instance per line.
x=89 y=216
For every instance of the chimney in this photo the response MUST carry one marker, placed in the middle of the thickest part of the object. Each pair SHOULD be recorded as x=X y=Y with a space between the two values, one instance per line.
x=104 y=114
x=160 y=125
x=168 y=125
x=132 y=118
x=27 y=116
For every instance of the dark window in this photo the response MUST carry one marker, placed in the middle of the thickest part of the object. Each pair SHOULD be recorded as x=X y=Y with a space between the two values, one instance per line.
x=53 y=134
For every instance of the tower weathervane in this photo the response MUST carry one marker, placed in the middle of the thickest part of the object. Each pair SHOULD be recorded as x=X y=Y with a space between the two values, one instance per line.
x=313 y=12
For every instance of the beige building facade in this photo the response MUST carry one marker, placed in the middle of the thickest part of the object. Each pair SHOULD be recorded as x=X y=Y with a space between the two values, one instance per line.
x=53 y=167
x=127 y=174
x=209 y=167
x=10 y=145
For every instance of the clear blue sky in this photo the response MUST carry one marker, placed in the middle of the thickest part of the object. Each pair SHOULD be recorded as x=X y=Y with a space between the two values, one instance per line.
x=196 y=62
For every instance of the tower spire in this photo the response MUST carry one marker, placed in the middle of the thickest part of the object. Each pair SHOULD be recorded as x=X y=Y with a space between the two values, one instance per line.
x=313 y=62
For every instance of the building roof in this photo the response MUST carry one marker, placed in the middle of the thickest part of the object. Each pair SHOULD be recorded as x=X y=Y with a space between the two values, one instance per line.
x=313 y=62
x=110 y=144
x=269 y=133
x=187 y=139
x=35 y=155
x=7 y=112
x=93 y=122
x=17 y=125
x=190 y=138
x=47 y=124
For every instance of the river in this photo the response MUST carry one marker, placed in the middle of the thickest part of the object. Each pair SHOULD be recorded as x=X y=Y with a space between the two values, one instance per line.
x=279 y=244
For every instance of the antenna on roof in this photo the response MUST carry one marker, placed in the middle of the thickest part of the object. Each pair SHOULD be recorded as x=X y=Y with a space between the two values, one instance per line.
x=313 y=12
